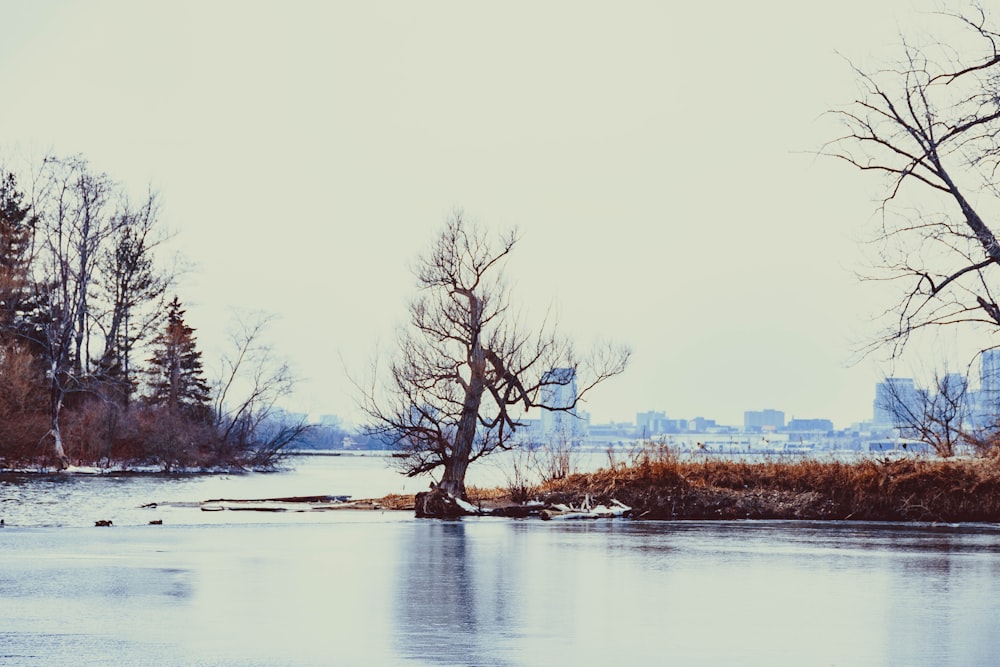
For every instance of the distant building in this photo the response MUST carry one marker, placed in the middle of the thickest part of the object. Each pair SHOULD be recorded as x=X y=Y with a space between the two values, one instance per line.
x=810 y=425
x=989 y=372
x=701 y=425
x=986 y=403
x=654 y=423
x=559 y=391
x=331 y=421
x=763 y=420
x=895 y=398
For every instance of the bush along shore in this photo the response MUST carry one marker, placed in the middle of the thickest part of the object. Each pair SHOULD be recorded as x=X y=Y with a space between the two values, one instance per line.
x=659 y=486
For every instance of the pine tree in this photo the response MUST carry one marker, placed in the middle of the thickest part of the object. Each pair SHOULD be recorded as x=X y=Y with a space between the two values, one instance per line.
x=23 y=396
x=15 y=244
x=176 y=376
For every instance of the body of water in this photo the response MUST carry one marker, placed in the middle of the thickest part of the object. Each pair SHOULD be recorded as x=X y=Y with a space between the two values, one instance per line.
x=382 y=588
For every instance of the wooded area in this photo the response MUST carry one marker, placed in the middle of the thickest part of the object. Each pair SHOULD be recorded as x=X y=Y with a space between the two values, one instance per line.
x=97 y=361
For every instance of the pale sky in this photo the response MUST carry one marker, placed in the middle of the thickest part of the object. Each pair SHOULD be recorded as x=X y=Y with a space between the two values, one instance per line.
x=654 y=155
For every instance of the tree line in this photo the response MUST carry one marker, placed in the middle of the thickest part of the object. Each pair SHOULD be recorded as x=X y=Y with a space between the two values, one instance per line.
x=97 y=360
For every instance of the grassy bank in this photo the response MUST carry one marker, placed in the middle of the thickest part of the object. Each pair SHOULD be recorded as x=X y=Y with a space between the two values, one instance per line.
x=657 y=485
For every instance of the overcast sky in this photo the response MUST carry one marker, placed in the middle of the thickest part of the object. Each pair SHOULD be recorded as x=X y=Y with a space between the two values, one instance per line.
x=654 y=155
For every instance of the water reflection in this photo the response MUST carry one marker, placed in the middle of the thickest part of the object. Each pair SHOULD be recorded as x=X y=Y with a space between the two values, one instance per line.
x=453 y=589
x=753 y=593
x=221 y=588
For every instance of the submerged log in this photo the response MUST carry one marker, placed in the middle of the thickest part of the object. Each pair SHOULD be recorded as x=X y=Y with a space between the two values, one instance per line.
x=284 y=505
x=518 y=511
x=286 y=499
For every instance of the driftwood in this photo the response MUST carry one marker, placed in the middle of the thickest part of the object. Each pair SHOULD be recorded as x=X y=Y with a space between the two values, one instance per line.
x=586 y=511
x=287 y=504
x=291 y=504
x=429 y=504
x=440 y=505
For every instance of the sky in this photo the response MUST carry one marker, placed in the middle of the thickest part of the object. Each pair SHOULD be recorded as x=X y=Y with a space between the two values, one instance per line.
x=658 y=159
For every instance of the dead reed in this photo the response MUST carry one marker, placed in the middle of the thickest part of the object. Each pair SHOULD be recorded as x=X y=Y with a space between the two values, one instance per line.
x=657 y=484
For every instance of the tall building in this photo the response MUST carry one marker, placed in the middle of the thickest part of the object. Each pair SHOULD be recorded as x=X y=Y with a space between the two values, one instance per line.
x=763 y=420
x=989 y=372
x=987 y=403
x=559 y=391
x=815 y=425
x=895 y=398
x=653 y=422
x=954 y=384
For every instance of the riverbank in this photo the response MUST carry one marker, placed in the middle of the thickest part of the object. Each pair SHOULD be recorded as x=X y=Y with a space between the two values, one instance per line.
x=658 y=485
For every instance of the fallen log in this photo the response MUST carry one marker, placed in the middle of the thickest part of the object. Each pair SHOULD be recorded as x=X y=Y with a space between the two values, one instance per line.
x=289 y=504
x=286 y=499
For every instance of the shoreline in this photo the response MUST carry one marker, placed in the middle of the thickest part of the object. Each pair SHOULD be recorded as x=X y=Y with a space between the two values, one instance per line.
x=656 y=484
x=890 y=490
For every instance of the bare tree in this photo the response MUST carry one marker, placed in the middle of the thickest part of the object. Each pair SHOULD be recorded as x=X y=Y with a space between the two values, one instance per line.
x=467 y=369
x=92 y=272
x=939 y=418
x=251 y=382
x=132 y=289
x=931 y=127
x=74 y=222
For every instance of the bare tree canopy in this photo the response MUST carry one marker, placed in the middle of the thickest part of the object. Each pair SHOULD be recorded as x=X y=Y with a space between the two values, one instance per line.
x=251 y=380
x=930 y=125
x=81 y=298
x=941 y=417
x=95 y=289
x=467 y=369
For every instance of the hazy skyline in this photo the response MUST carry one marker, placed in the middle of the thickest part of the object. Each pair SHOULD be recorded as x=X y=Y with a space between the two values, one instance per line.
x=656 y=160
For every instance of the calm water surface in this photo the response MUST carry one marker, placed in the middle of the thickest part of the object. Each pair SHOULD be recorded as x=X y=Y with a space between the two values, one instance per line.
x=372 y=588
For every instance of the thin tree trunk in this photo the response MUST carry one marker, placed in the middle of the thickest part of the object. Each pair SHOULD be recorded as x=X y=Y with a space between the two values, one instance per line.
x=56 y=409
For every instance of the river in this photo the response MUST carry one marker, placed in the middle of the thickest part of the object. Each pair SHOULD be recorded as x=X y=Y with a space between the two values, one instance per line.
x=382 y=588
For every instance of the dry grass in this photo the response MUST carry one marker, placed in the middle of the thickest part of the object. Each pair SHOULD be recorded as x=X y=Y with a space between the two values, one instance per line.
x=659 y=485
x=396 y=501
x=478 y=494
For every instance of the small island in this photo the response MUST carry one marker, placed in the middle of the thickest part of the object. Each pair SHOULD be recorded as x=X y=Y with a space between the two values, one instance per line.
x=656 y=484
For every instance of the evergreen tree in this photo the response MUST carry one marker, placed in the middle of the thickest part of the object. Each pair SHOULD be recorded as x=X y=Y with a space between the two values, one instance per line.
x=176 y=377
x=16 y=228
x=23 y=397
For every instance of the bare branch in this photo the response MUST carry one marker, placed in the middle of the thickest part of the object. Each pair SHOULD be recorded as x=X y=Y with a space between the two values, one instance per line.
x=467 y=370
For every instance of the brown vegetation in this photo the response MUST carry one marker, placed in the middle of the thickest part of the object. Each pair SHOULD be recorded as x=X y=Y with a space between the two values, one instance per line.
x=82 y=300
x=657 y=485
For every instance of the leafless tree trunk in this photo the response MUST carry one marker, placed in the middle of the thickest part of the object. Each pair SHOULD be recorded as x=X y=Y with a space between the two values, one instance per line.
x=467 y=369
